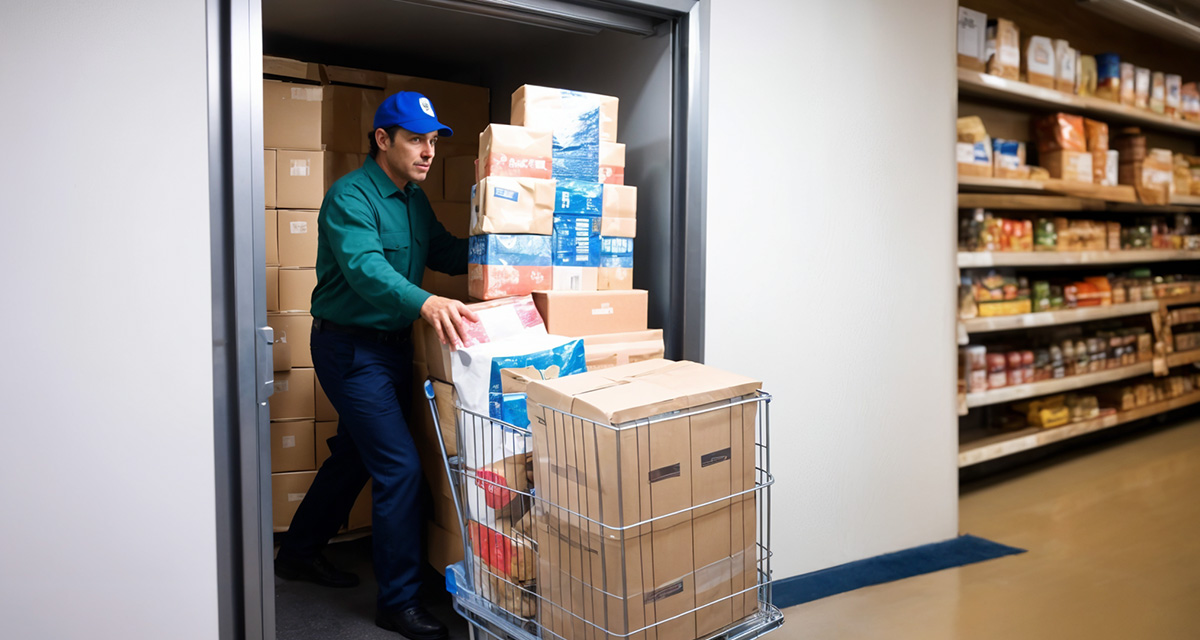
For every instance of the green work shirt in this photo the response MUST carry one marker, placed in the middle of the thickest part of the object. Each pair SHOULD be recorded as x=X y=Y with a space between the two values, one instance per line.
x=374 y=241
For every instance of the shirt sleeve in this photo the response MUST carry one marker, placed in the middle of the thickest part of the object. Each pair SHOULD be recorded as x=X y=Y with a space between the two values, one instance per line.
x=351 y=228
x=447 y=253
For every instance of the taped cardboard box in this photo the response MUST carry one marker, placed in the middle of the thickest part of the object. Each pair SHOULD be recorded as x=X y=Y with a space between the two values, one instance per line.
x=325 y=410
x=294 y=330
x=358 y=77
x=272 y=234
x=293 y=446
x=583 y=313
x=269 y=164
x=445 y=546
x=518 y=152
x=295 y=395
x=1071 y=166
x=620 y=211
x=322 y=432
x=314 y=118
x=303 y=177
x=272 y=289
x=290 y=69
x=281 y=350
x=287 y=491
x=612 y=163
x=503 y=265
x=504 y=205
x=972 y=39
x=297 y=237
x=575 y=278
x=548 y=109
x=576 y=255
x=579 y=198
x=608 y=350
x=296 y=285
x=459 y=174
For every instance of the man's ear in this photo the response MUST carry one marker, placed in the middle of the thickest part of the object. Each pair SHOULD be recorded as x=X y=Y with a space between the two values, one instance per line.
x=381 y=139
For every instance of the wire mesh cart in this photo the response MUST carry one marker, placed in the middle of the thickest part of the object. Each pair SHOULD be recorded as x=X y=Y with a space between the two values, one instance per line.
x=602 y=536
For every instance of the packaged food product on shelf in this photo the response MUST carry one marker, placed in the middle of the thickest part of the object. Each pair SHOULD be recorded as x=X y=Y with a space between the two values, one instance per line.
x=1085 y=83
x=1108 y=77
x=1172 y=105
x=1158 y=92
x=1131 y=144
x=1183 y=174
x=1038 y=61
x=1002 y=294
x=1128 y=84
x=1141 y=87
x=1097 y=144
x=1064 y=66
x=1071 y=166
x=1003 y=49
x=1112 y=166
x=974 y=149
x=1189 y=98
x=972 y=39
x=1059 y=132
x=1009 y=159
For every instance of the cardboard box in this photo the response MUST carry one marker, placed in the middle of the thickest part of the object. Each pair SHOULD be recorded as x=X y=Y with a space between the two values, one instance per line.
x=314 y=118
x=608 y=350
x=295 y=395
x=290 y=69
x=322 y=432
x=1004 y=45
x=519 y=152
x=1039 y=62
x=616 y=264
x=575 y=278
x=434 y=184
x=292 y=446
x=445 y=546
x=500 y=266
x=1072 y=166
x=498 y=319
x=357 y=77
x=297 y=238
x=612 y=162
x=620 y=211
x=325 y=410
x=281 y=351
x=294 y=330
x=972 y=39
x=548 y=109
x=459 y=178
x=272 y=234
x=576 y=241
x=272 y=289
x=295 y=288
x=303 y=177
x=269 y=168
x=513 y=206
x=664 y=467
x=287 y=491
x=581 y=313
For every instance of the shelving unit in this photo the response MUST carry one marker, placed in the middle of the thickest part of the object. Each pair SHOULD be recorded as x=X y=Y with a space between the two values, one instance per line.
x=978 y=443
x=984 y=259
x=1050 y=387
x=990 y=447
x=1052 y=318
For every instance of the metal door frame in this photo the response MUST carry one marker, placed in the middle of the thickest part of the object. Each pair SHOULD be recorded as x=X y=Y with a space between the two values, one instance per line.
x=242 y=371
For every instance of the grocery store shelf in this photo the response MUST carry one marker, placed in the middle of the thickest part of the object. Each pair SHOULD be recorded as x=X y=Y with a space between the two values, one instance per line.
x=1000 y=185
x=975 y=259
x=1140 y=15
x=1027 y=202
x=1035 y=389
x=1185 y=201
x=1122 y=194
x=997 y=446
x=1051 y=318
x=1183 y=357
x=973 y=83
x=1193 y=298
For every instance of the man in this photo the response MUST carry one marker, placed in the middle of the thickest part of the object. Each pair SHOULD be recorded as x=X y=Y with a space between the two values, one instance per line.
x=377 y=233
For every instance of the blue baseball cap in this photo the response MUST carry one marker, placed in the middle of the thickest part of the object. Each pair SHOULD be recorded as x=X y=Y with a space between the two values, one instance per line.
x=411 y=111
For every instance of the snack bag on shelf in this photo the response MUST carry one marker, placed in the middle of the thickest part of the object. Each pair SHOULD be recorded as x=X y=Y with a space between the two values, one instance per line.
x=1003 y=49
x=1064 y=66
x=1038 y=62
x=1061 y=132
x=974 y=148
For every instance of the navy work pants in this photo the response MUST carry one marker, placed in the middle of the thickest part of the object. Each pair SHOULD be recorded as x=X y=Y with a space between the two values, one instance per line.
x=370 y=385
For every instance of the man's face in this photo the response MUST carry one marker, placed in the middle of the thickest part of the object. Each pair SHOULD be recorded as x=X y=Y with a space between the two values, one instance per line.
x=406 y=158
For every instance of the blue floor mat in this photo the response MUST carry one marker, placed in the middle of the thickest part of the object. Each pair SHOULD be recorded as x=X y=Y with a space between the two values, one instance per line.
x=886 y=568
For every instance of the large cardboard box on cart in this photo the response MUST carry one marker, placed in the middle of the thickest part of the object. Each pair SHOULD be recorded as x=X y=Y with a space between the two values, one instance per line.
x=621 y=577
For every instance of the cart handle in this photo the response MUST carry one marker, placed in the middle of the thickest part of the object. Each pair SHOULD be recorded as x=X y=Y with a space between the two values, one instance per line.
x=428 y=389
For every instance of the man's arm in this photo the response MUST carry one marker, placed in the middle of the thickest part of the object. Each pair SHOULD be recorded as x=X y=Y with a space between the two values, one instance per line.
x=349 y=225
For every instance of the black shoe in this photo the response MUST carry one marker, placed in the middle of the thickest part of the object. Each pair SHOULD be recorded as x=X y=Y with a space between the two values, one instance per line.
x=414 y=623
x=318 y=570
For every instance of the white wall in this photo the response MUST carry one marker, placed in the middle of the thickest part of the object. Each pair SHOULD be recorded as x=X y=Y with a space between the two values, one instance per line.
x=831 y=233
x=106 y=374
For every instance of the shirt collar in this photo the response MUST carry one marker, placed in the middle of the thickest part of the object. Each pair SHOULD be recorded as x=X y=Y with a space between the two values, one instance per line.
x=386 y=187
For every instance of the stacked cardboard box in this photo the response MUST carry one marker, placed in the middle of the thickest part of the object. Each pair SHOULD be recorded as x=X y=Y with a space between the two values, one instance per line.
x=596 y=455
x=550 y=193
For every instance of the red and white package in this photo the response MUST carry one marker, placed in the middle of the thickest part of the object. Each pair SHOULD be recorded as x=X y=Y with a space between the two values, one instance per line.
x=503 y=318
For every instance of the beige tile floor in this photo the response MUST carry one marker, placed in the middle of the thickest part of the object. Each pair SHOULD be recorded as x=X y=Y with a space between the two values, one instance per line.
x=1114 y=552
